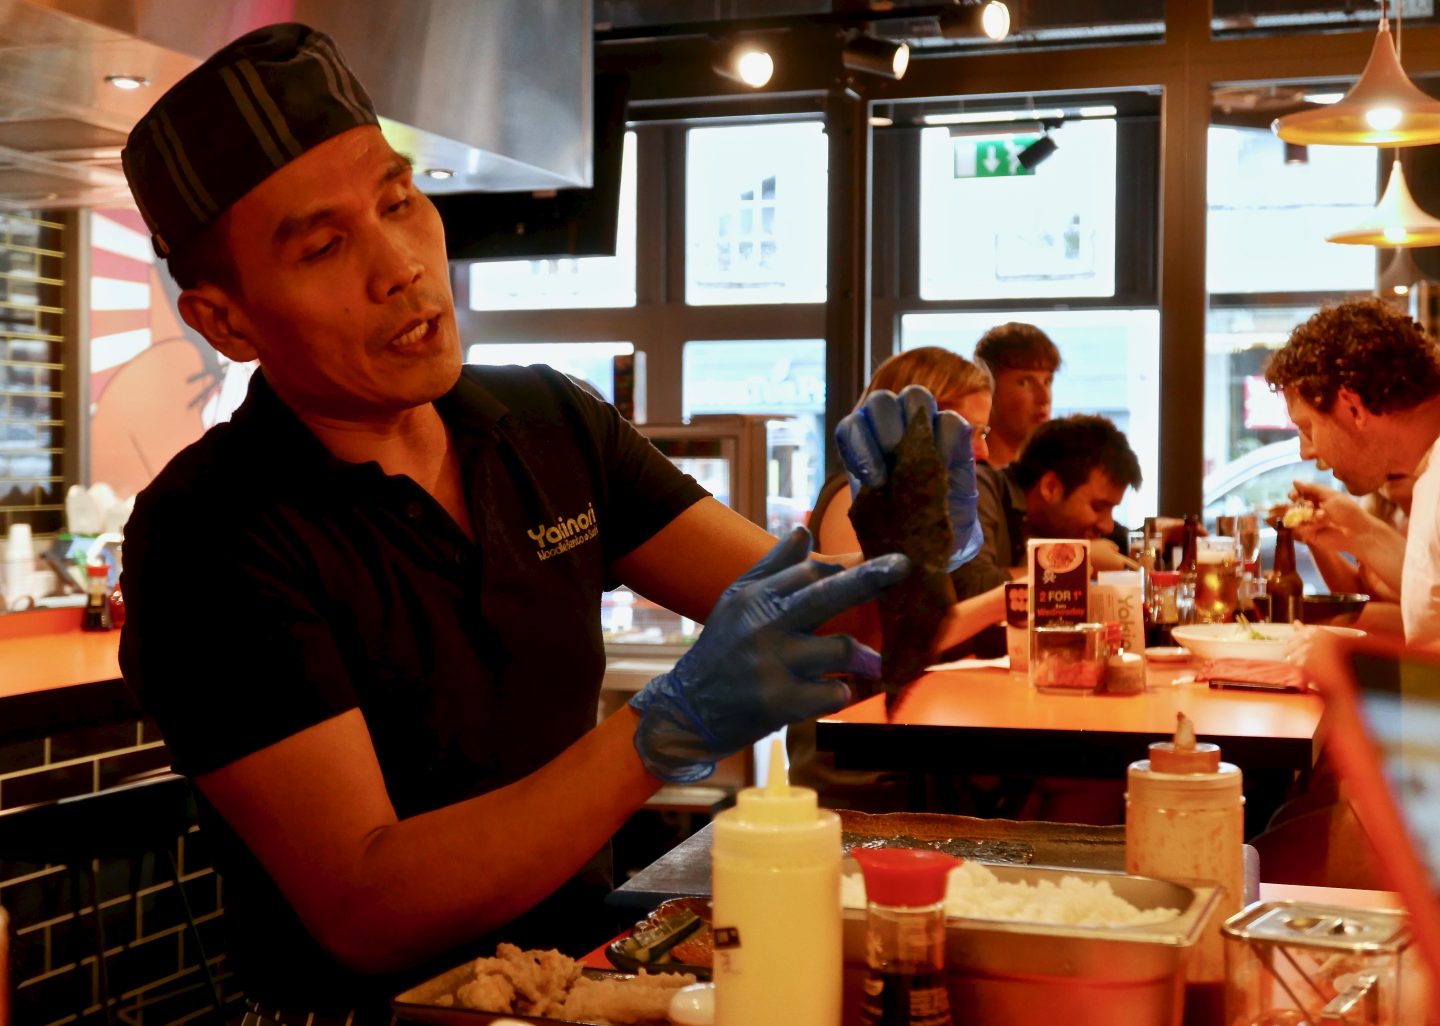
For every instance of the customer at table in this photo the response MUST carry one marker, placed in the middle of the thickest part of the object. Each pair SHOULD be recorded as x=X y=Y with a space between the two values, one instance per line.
x=1023 y=361
x=365 y=612
x=1065 y=484
x=1361 y=380
x=964 y=387
x=957 y=384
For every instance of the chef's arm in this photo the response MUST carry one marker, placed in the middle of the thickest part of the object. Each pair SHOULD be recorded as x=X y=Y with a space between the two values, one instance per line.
x=382 y=894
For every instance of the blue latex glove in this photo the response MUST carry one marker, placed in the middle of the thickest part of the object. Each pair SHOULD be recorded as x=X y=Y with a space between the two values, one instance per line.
x=869 y=435
x=756 y=666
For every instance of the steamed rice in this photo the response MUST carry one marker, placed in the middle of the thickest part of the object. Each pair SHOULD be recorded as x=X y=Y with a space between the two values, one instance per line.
x=974 y=892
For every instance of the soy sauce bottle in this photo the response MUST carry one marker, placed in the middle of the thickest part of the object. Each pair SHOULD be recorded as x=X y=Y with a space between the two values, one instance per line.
x=905 y=937
x=97 y=598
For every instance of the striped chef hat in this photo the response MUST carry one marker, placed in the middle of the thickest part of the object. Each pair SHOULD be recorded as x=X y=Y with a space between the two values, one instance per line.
x=254 y=106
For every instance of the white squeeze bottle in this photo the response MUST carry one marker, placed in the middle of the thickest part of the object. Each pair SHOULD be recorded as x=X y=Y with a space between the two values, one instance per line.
x=776 y=906
x=1185 y=820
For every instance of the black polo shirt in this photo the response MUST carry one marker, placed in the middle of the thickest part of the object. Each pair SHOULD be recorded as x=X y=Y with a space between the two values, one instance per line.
x=270 y=586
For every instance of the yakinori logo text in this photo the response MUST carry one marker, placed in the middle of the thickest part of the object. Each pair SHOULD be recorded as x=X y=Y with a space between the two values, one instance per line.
x=565 y=533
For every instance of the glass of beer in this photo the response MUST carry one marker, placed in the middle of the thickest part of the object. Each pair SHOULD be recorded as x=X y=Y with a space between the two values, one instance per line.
x=1248 y=532
x=1217 y=579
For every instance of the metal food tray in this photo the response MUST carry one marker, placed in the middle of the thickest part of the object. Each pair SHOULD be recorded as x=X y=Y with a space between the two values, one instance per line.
x=418 y=1003
x=1023 y=974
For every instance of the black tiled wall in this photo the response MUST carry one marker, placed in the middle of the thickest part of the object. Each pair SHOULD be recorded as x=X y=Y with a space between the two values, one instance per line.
x=149 y=954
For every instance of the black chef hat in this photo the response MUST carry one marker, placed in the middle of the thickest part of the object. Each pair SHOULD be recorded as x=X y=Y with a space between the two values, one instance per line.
x=254 y=106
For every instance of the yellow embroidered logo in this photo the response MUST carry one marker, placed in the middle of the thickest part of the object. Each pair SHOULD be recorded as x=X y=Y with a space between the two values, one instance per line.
x=565 y=533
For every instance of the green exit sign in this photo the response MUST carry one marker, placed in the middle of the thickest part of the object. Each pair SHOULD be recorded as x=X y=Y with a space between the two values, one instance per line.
x=997 y=157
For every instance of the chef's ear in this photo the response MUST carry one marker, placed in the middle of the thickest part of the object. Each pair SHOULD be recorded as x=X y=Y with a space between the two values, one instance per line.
x=208 y=309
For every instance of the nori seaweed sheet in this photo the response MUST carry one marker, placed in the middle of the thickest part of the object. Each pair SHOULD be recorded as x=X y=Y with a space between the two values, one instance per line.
x=909 y=515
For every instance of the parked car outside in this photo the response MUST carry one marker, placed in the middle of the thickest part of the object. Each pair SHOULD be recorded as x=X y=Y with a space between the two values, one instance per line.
x=1259 y=480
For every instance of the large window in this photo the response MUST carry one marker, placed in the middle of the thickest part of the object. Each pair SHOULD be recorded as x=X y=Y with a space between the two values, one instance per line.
x=1268 y=267
x=32 y=426
x=755 y=202
x=566 y=282
x=1271 y=207
x=1110 y=366
x=992 y=229
x=784 y=377
x=589 y=363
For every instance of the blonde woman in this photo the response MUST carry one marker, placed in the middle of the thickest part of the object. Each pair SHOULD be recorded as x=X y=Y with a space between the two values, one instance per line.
x=964 y=387
x=956 y=383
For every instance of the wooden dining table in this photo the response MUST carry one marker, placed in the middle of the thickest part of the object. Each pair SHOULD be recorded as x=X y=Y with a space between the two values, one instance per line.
x=978 y=718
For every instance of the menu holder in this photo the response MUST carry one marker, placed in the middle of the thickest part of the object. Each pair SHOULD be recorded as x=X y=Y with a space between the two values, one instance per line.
x=1059 y=570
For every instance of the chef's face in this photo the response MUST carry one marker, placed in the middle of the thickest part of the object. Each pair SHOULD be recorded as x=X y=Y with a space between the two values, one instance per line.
x=342 y=285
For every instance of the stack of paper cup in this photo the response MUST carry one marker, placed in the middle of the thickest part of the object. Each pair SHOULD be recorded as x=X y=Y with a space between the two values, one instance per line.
x=19 y=565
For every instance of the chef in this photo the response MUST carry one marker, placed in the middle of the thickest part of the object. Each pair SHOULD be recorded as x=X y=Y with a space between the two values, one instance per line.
x=364 y=612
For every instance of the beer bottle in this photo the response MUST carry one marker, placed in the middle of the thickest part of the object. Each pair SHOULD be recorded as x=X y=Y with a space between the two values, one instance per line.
x=1189 y=560
x=1283 y=584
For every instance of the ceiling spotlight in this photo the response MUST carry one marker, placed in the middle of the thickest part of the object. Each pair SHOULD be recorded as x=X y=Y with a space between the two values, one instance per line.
x=1041 y=150
x=127 y=82
x=438 y=173
x=969 y=19
x=746 y=63
x=878 y=56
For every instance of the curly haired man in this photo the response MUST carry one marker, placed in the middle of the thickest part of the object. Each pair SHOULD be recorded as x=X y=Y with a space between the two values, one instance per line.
x=1362 y=383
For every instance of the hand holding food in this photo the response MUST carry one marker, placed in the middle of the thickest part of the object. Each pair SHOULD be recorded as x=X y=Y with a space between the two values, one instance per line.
x=868 y=437
x=757 y=667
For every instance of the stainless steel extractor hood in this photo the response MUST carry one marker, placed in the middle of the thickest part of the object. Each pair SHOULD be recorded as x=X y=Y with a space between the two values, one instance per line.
x=499 y=92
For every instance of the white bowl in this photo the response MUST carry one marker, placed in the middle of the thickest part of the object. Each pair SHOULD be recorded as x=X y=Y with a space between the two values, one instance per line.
x=1232 y=641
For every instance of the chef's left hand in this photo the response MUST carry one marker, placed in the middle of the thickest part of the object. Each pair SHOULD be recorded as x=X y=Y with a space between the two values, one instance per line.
x=868 y=437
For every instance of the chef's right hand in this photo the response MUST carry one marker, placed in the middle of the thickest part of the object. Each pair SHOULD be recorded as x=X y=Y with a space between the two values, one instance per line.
x=868 y=436
x=757 y=666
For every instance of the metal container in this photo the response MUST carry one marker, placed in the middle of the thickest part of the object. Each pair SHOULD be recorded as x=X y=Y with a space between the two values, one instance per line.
x=1033 y=974
x=1068 y=658
x=1293 y=962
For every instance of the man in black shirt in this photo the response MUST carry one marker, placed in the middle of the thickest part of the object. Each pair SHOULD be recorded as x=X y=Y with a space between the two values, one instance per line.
x=1066 y=484
x=365 y=612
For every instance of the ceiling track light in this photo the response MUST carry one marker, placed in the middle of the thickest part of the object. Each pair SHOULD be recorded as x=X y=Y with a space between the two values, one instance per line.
x=1384 y=108
x=882 y=57
x=745 y=62
x=972 y=19
x=1041 y=150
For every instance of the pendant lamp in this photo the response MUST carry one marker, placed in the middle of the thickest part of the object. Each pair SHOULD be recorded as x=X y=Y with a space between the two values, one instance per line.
x=1384 y=108
x=1397 y=219
x=1400 y=274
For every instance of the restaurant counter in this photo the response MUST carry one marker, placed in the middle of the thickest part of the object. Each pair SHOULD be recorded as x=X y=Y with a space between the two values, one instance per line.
x=56 y=677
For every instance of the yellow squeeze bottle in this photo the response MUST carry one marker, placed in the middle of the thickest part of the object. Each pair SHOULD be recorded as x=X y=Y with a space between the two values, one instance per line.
x=775 y=898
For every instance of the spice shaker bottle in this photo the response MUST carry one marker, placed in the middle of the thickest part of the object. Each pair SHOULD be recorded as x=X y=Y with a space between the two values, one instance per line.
x=905 y=937
x=775 y=898
x=1185 y=820
x=97 y=598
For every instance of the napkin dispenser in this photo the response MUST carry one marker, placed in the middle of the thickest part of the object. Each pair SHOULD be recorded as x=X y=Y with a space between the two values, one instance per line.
x=1297 y=962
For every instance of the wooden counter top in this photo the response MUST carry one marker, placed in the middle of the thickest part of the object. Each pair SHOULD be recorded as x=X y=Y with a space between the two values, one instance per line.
x=989 y=721
x=45 y=662
x=55 y=676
